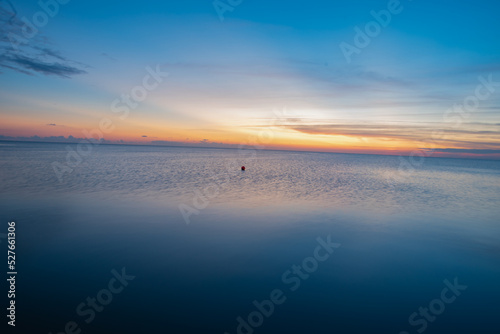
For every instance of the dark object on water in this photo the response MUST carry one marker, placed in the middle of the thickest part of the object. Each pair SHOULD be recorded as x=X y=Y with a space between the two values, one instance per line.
x=242 y=167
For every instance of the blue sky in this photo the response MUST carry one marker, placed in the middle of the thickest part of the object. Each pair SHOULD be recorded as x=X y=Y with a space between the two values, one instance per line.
x=228 y=78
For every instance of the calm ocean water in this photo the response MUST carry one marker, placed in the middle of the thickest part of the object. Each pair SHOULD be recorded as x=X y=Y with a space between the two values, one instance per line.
x=209 y=244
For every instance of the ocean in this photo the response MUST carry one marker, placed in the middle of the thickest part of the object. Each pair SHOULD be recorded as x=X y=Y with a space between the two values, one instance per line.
x=139 y=239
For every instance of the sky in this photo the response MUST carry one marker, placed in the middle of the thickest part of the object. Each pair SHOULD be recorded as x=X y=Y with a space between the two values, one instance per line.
x=380 y=77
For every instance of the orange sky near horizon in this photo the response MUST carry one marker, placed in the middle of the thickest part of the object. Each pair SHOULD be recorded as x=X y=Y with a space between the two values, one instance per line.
x=277 y=137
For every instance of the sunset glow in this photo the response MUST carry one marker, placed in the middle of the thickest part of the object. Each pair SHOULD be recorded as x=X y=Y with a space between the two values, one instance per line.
x=405 y=91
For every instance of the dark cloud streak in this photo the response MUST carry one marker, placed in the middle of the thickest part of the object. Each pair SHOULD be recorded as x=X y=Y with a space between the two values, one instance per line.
x=39 y=66
x=30 y=55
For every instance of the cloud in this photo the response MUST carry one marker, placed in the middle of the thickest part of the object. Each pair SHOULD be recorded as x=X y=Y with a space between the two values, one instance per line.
x=49 y=52
x=52 y=139
x=467 y=151
x=11 y=12
x=30 y=55
x=51 y=124
x=469 y=135
x=414 y=131
x=144 y=136
x=24 y=64
x=105 y=55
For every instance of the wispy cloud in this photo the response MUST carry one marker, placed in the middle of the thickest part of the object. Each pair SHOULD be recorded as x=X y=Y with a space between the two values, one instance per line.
x=107 y=56
x=27 y=63
x=30 y=55
x=478 y=135
x=467 y=151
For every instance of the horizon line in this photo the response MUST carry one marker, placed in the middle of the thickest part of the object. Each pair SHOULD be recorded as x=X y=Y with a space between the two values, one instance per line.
x=239 y=148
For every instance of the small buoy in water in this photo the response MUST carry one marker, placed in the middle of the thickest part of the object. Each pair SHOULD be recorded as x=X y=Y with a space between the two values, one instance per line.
x=242 y=167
